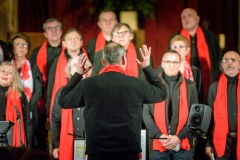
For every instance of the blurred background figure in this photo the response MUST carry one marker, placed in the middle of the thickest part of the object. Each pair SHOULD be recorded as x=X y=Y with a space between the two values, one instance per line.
x=30 y=76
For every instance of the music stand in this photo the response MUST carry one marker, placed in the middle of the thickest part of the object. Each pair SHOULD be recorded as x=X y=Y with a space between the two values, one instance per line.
x=6 y=135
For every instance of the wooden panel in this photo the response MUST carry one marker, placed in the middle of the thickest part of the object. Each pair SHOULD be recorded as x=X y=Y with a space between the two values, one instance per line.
x=36 y=39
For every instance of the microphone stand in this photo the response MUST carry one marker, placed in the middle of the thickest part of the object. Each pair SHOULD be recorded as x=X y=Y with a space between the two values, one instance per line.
x=19 y=125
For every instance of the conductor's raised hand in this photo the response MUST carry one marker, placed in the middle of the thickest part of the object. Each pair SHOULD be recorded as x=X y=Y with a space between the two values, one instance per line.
x=146 y=56
x=81 y=64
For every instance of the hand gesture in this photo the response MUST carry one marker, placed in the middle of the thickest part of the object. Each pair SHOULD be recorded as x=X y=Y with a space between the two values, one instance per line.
x=81 y=64
x=146 y=55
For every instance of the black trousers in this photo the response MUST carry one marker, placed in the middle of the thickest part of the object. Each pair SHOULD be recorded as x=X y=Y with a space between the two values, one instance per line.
x=230 y=151
x=125 y=156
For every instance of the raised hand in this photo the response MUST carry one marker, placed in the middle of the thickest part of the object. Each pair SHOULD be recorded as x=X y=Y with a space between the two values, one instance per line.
x=146 y=56
x=81 y=64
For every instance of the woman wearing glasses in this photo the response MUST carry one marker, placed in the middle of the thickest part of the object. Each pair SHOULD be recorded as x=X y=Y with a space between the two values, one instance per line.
x=30 y=75
x=180 y=44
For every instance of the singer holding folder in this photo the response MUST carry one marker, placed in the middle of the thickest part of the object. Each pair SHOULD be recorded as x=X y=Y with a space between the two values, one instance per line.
x=14 y=105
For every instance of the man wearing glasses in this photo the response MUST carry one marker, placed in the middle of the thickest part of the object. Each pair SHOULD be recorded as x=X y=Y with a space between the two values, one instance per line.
x=167 y=121
x=224 y=98
x=122 y=34
x=43 y=57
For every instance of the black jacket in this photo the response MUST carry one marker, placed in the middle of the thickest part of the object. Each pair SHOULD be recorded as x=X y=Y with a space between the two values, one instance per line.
x=113 y=112
x=197 y=75
x=37 y=93
x=55 y=123
x=148 y=111
x=5 y=50
x=25 y=110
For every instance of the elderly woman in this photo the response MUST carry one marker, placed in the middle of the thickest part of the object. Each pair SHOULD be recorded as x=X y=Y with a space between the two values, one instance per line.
x=73 y=121
x=181 y=44
x=14 y=105
x=30 y=76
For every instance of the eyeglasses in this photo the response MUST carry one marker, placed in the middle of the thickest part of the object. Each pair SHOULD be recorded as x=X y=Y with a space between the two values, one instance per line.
x=53 y=28
x=25 y=45
x=172 y=62
x=176 y=47
x=227 y=60
x=123 y=33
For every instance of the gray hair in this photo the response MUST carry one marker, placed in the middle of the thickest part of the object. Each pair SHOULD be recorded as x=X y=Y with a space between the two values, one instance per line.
x=113 y=53
x=51 y=20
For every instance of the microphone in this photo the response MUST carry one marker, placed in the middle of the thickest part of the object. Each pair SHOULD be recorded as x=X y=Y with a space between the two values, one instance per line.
x=18 y=113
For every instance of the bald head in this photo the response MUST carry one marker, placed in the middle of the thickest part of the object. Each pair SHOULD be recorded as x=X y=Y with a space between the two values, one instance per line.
x=190 y=20
x=230 y=64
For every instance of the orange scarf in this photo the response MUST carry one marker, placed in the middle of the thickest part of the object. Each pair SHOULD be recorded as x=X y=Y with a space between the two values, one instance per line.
x=13 y=99
x=204 y=57
x=100 y=42
x=160 y=118
x=220 y=115
x=132 y=66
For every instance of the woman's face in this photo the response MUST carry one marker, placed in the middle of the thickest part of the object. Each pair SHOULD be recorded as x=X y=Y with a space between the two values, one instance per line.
x=20 y=48
x=6 y=76
x=181 y=48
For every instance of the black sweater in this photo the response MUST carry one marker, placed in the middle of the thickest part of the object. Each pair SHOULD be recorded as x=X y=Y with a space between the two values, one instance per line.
x=113 y=112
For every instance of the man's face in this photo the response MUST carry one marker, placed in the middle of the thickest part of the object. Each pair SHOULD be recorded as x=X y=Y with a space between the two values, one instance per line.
x=230 y=63
x=189 y=19
x=122 y=36
x=73 y=41
x=171 y=64
x=106 y=22
x=53 y=31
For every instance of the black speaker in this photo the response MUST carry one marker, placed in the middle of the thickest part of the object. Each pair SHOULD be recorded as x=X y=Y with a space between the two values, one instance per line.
x=199 y=118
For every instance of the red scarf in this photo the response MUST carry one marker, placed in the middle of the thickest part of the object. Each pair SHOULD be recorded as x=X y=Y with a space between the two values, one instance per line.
x=220 y=115
x=100 y=42
x=204 y=57
x=13 y=99
x=26 y=78
x=132 y=66
x=111 y=68
x=187 y=73
x=42 y=65
x=66 y=141
x=160 y=118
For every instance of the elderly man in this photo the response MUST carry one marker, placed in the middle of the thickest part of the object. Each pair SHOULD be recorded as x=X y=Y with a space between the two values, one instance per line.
x=113 y=103
x=43 y=56
x=205 y=51
x=224 y=98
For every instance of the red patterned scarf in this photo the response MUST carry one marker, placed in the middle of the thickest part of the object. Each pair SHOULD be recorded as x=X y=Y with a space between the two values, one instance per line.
x=187 y=73
x=160 y=118
x=26 y=78
x=132 y=66
x=220 y=115
x=13 y=99
x=204 y=57
x=100 y=42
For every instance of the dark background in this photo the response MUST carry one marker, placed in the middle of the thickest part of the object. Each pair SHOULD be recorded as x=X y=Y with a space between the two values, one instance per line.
x=221 y=15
